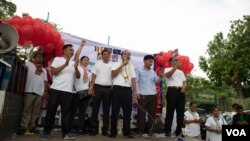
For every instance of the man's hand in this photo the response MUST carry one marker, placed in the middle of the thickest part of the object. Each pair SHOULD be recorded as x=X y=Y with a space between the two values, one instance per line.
x=161 y=75
x=176 y=65
x=83 y=43
x=125 y=62
x=91 y=91
x=183 y=90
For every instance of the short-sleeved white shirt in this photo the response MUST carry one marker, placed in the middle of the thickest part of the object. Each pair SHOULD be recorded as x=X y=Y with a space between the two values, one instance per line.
x=64 y=80
x=212 y=136
x=81 y=84
x=119 y=79
x=176 y=79
x=192 y=129
x=103 y=73
x=34 y=82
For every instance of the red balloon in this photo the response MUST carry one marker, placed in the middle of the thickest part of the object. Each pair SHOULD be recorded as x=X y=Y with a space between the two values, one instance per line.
x=26 y=32
x=16 y=20
x=27 y=20
x=47 y=35
x=39 y=30
x=49 y=47
x=58 y=52
x=37 y=20
x=59 y=45
x=160 y=60
x=57 y=37
x=17 y=27
x=49 y=26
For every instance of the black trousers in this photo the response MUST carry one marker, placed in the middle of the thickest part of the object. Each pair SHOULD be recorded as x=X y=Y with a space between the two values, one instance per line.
x=122 y=97
x=82 y=106
x=102 y=94
x=175 y=101
x=147 y=104
x=56 y=98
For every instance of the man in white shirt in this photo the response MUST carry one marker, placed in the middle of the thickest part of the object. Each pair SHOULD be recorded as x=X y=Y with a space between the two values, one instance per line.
x=213 y=125
x=100 y=88
x=35 y=88
x=176 y=87
x=192 y=121
x=61 y=91
x=124 y=86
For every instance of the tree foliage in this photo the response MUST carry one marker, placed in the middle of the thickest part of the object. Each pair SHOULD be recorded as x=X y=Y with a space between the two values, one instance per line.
x=228 y=58
x=7 y=9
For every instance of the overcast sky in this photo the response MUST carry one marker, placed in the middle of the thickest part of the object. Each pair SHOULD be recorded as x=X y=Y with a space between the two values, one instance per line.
x=149 y=26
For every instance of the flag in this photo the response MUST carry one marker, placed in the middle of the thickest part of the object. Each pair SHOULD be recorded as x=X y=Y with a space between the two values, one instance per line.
x=175 y=53
x=117 y=51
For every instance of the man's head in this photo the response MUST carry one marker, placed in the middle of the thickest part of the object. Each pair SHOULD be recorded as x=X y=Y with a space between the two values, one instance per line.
x=38 y=57
x=68 y=50
x=105 y=55
x=234 y=106
x=173 y=61
x=216 y=111
x=148 y=61
x=192 y=106
x=239 y=109
x=125 y=55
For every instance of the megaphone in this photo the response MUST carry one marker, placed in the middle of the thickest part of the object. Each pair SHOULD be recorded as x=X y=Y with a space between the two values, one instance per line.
x=8 y=38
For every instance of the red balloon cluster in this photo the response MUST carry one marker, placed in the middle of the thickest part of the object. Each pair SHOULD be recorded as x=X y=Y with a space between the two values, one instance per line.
x=38 y=32
x=162 y=61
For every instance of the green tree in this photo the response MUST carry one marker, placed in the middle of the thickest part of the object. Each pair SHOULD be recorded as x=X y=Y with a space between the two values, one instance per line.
x=228 y=59
x=7 y=9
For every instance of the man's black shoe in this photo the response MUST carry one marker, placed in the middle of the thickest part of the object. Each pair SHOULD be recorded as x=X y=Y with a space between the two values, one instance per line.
x=129 y=136
x=112 y=135
x=167 y=134
x=106 y=134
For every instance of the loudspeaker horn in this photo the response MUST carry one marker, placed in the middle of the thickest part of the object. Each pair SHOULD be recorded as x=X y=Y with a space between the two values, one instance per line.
x=8 y=38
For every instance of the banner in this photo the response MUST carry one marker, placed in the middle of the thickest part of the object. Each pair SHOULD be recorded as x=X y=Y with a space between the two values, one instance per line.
x=93 y=51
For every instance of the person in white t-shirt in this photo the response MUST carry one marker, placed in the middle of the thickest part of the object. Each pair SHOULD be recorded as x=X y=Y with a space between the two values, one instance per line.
x=213 y=125
x=234 y=112
x=81 y=97
x=192 y=121
x=124 y=87
x=61 y=91
x=35 y=88
x=100 y=88
x=176 y=87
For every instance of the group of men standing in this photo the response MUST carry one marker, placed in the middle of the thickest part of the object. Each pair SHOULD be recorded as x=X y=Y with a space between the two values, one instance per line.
x=112 y=84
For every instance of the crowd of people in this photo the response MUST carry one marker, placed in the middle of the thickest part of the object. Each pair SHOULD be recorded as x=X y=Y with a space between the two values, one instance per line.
x=115 y=86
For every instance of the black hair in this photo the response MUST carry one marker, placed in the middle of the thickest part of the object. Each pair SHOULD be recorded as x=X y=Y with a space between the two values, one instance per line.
x=239 y=107
x=84 y=57
x=234 y=105
x=192 y=103
x=37 y=53
x=105 y=50
x=148 y=57
x=215 y=107
x=67 y=46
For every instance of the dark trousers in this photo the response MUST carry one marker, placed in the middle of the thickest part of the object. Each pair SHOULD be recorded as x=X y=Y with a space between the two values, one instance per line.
x=82 y=106
x=175 y=100
x=148 y=104
x=56 y=98
x=102 y=94
x=122 y=97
